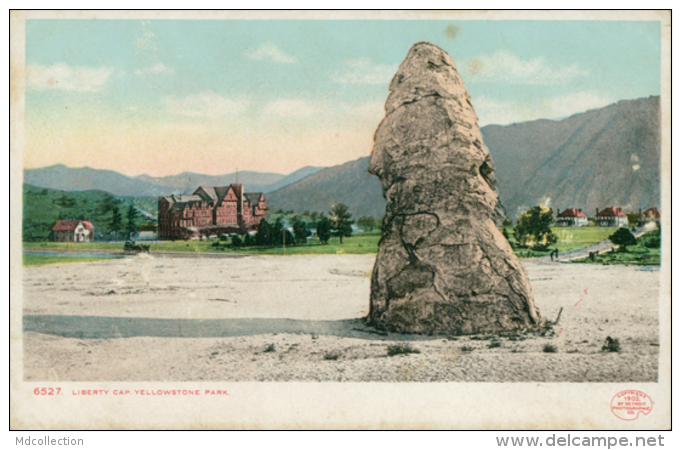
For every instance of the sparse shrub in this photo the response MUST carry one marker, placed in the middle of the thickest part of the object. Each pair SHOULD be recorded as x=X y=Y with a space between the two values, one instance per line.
x=548 y=348
x=495 y=344
x=331 y=356
x=651 y=239
x=402 y=349
x=466 y=348
x=611 y=345
x=269 y=349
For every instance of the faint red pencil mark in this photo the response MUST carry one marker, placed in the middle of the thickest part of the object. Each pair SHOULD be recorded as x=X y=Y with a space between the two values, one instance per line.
x=578 y=302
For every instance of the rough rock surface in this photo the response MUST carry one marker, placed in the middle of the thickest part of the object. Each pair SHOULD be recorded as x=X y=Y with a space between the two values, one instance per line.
x=442 y=265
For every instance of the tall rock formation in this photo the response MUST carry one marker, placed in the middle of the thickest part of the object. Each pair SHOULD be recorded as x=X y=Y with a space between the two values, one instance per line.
x=442 y=265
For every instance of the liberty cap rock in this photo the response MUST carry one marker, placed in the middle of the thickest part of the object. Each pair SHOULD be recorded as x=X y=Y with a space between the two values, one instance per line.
x=442 y=266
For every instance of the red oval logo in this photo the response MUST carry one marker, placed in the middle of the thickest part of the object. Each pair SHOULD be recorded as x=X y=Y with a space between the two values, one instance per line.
x=627 y=405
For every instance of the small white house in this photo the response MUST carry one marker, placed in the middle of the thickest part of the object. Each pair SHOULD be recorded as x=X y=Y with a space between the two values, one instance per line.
x=73 y=231
x=611 y=217
x=571 y=218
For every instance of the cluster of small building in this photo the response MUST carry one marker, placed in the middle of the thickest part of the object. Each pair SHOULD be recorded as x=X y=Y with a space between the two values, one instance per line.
x=609 y=217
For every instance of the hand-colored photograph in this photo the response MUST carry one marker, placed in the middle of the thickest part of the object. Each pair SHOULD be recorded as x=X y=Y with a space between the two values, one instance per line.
x=441 y=202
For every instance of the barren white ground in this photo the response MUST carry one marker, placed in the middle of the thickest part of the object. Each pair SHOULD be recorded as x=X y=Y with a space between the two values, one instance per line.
x=326 y=296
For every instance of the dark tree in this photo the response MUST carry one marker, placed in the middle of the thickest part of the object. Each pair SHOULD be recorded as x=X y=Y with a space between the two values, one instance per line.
x=289 y=238
x=340 y=220
x=280 y=235
x=534 y=227
x=300 y=230
x=116 y=224
x=131 y=216
x=248 y=240
x=623 y=237
x=278 y=232
x=324 y=230
x=236 y=242
x=107 y=204
x=263 y=237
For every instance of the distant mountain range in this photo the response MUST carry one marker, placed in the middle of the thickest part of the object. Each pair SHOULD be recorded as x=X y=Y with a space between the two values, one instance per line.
x=603 y=157
x=65 y=178
x=348 y=183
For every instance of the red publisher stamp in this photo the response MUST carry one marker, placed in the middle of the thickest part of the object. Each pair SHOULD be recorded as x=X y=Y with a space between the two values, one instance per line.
x=627 y=405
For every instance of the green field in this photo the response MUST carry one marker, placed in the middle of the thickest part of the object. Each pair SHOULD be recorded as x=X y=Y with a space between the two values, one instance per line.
x=569 y=238
x=645 y=253
x=41 y=260
x=359 y=244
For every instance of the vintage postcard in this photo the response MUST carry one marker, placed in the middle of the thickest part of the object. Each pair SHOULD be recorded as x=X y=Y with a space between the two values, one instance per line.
x=377 y=220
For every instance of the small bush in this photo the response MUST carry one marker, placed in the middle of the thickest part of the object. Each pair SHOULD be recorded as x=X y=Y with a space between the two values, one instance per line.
x=331 y=356
x=403 y=349
x=548 y=348
x=495 y=344
x=269 y=349
x=611 y=345
x=466 y=348
x=237 y=242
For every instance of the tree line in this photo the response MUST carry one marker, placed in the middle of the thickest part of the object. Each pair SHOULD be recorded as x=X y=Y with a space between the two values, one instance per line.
x=275 y=234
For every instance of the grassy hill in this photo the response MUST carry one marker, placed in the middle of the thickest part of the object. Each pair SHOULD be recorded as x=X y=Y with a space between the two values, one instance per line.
x=42 y=208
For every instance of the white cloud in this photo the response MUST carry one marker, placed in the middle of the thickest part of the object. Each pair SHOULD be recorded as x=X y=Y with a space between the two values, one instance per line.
x=364 y=71
x=156 y=69
x=207 y=105
x=292 y=108
x=64 y=77
x=271 y=52
x=507 y=67
x=499 y=112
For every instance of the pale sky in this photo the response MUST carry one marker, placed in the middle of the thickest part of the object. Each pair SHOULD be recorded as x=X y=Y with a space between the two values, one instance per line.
x=165 y=96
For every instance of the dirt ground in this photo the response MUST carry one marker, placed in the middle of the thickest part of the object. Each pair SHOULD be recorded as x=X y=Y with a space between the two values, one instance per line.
x=298 y=318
